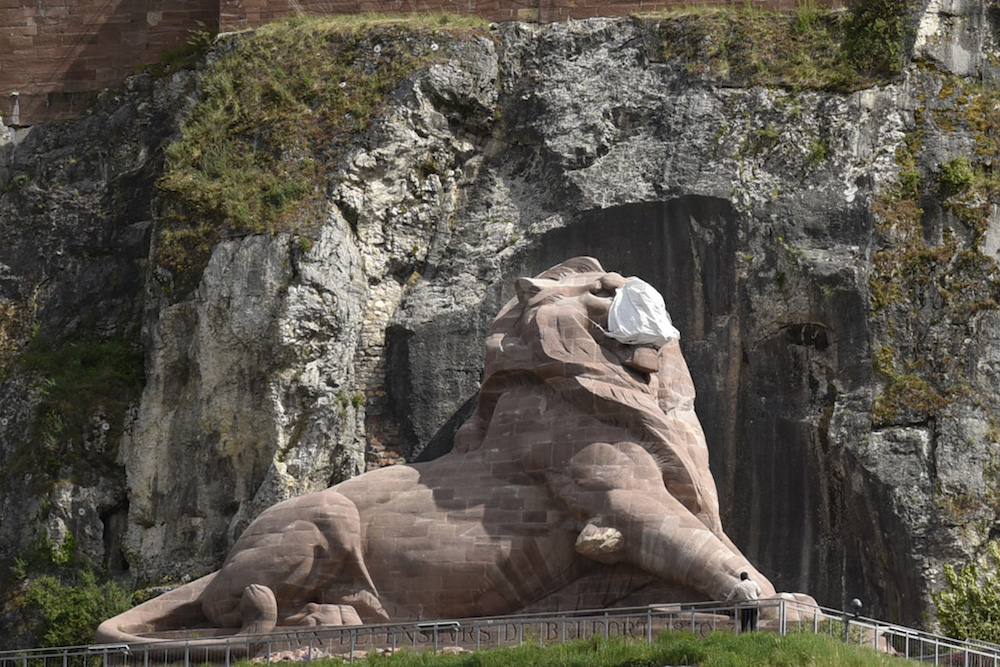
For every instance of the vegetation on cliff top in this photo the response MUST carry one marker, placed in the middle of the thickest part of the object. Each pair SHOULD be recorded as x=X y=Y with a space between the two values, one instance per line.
x=278 y=106
x=811 y=47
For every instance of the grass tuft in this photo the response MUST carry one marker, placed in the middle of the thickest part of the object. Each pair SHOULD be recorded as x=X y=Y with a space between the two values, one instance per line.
x=810 y=47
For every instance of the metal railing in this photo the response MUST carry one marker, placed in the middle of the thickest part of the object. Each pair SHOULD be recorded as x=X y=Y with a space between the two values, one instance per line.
x=779 y=616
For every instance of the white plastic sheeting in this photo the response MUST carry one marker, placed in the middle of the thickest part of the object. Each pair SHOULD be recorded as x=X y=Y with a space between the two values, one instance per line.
x=638 y=315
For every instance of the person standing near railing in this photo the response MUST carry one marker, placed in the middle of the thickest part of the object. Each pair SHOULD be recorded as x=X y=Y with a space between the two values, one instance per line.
x=745 y=593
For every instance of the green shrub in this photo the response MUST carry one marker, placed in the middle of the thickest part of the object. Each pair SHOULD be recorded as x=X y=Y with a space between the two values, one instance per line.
x=970 y=606
x=956 y=177
x=198 y=43
x=71 y=612
x=807 y=17
x=878 y=35
x=907 y=392
x=817 y=152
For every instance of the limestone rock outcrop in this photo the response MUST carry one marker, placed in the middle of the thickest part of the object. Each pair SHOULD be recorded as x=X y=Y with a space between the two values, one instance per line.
x=829 y=258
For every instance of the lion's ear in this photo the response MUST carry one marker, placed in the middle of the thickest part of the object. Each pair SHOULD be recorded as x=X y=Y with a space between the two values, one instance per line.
x=526 y=288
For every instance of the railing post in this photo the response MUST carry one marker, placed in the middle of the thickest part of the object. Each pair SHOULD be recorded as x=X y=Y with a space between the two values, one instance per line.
x=649 y=625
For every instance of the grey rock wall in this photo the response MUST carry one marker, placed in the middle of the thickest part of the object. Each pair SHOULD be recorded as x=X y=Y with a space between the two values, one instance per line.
x=292 y=366
x=765 y=257
x=76 y=223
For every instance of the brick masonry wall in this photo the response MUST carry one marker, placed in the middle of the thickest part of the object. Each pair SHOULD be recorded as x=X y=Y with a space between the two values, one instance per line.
x=56 y=54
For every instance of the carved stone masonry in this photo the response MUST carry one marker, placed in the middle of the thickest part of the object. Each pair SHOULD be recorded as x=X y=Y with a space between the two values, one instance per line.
x=581 y=481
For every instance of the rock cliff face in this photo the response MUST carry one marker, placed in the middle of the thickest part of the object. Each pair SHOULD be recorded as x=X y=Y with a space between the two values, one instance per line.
x=829 y=258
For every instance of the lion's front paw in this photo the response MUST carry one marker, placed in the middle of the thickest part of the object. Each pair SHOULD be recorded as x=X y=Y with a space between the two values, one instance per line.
x=325 y=614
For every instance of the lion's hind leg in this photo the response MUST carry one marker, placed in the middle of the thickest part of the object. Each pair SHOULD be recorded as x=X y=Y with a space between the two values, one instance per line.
x=304 y=550
x=347 y=581
x=254 y=611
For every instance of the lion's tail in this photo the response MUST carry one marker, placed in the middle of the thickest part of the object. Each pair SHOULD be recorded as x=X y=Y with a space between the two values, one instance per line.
x=179 y=608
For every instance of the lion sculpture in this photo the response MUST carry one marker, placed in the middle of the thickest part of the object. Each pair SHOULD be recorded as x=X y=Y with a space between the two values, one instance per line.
x=581 y=481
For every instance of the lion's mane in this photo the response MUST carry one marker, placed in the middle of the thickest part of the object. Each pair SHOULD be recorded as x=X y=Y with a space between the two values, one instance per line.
x=552 y=335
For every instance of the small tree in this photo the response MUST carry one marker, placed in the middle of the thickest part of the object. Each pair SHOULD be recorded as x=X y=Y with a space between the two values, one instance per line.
x=970 y=608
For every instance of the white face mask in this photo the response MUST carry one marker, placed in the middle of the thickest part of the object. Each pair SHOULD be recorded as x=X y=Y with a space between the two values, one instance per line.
x=638 y=315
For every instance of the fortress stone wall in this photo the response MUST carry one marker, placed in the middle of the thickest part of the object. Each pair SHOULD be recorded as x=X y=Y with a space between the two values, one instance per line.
x=56 y=54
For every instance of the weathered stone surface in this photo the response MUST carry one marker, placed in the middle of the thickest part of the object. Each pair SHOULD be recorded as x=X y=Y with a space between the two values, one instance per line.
x=302 y=332
x=76 y=222
x=800 y=311
x=960 y=36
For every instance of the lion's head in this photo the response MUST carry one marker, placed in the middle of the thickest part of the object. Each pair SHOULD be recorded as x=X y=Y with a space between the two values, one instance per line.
x=553 y=334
